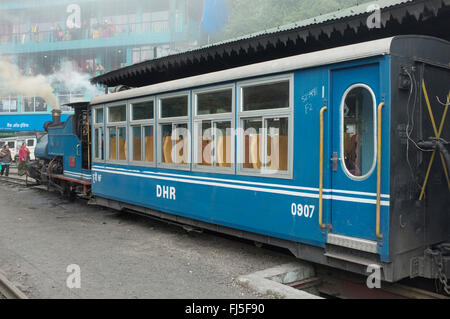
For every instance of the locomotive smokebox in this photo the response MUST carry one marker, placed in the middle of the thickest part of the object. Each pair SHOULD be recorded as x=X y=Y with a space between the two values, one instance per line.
x=56 y=115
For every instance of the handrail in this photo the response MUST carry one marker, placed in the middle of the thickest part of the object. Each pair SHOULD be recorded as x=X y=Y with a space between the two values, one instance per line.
x=379 y=235
x=322 y=225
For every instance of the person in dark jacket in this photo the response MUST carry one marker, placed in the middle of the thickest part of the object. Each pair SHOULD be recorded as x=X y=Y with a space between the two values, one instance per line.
x=5 y=160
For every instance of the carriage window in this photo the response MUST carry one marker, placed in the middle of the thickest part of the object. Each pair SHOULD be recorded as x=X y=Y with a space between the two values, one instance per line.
x=112 y=137
x=98 y=116
x=118 y=113
x=266 y=144
x=148 y=141
x=266 y=96
x=359 y=140
x=142 y=111
x=277 y=144
x=99 y=134
x=264 y=139
x=213 y=142
x=143 y=143
x=174 y=107
x=117 y=137
x=99 y=143
x=204 y=141
x=174 y=147
x=142 y=132
x=252 y=142
x=173 y=140
x=137 y=143
x=122 y=143
x=214 y=102
x=117 y=133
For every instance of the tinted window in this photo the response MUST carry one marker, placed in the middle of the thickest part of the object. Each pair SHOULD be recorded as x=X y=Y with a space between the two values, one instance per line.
x=174 y=107
x=266 y=96
x=142 y=111
x=214 y=102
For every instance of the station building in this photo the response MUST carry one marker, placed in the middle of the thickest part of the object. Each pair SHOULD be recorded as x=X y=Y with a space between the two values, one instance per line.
x=93 y=37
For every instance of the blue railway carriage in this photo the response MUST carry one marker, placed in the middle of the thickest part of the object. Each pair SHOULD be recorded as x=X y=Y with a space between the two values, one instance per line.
x=338 y=155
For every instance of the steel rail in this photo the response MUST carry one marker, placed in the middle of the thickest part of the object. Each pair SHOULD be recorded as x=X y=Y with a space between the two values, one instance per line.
x=8 y=290
x=14 y=180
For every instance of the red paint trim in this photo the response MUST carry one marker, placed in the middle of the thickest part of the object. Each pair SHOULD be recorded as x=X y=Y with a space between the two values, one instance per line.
x=73 y=180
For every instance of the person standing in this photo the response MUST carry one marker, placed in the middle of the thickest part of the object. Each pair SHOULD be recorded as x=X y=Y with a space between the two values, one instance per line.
x=59 y=33
x=5 y=160
x=100 y=69
x=24 y=157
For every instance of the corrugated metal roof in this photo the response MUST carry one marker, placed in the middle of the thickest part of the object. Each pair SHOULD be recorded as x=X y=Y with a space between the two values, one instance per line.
x=338 y=28
x=332 y=16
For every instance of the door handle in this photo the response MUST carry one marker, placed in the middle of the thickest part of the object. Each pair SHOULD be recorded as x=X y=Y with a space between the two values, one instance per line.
x=78 y=149
x=335 y=159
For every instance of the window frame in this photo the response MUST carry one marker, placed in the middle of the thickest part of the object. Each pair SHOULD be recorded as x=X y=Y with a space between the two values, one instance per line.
x=142 y=123
x=10 y=98
x=264 y=115
x=117 y=125
x=174 y=121
x=213 y=118
x=34 y=105
x=98 y=126
x=341 y=126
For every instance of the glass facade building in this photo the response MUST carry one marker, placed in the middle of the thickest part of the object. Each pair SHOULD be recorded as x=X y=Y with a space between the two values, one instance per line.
x=91 y=37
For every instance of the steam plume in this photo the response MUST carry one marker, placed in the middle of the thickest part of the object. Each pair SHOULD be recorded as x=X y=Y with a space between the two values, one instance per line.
x=73 y=80
x=13 y=82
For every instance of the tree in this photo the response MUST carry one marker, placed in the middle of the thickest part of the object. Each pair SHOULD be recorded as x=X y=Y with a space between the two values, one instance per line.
x=250 y=16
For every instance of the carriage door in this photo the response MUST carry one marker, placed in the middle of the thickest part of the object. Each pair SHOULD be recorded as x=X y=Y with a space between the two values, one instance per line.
x=354 y=98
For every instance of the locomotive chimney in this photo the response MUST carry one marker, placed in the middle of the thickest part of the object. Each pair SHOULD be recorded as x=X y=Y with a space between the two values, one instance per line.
x=56 y=115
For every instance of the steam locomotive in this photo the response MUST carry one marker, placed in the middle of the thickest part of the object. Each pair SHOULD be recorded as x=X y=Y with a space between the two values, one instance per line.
x=63 y=153
x=340 y=156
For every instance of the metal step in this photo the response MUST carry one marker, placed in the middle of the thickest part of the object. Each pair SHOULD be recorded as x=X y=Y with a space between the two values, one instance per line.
x=352 y=258
x=362 y=244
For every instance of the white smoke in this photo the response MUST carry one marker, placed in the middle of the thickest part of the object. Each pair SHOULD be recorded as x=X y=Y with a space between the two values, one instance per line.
x=73 y=80
x=13 y=82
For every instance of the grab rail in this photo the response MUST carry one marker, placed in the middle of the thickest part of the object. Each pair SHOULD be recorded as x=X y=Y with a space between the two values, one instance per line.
x=322 y=225
x=379 y=235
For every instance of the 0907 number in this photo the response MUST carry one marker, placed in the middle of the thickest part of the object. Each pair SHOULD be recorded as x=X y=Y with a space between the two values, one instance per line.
x=300 y=210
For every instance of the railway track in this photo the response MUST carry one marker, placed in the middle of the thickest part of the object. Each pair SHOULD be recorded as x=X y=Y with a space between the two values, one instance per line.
x=8 y=290
x=336 y=284
x=329 y=283
x=16 y=180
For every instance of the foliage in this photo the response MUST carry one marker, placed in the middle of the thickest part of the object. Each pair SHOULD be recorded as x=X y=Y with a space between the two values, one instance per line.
x=249 y=16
